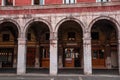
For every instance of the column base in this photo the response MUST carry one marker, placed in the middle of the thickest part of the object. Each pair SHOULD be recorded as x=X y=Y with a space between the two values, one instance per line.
x=53 y=73
x=20 y=72
x=87 y=73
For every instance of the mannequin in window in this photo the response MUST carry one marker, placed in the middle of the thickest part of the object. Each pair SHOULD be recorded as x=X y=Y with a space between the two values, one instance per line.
x=76 y=55
x=69 y=54
x=77 y=60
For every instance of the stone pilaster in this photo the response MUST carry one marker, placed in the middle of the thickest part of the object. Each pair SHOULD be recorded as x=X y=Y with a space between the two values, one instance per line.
x=37 y=57
x=87 y=53
x=21 y=62
x=53 y=54
x=119 y=54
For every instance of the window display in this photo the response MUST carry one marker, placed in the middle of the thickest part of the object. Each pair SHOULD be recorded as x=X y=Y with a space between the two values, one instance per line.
x=44 y=57
x=6 y=57
x=71 y=57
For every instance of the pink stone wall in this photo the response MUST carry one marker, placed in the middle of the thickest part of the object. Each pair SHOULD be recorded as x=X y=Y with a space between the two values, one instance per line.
x=53 y=2
x=48 y=2
x=22 y=2
x=86 y=1
x=0 y=2
x=62 y=10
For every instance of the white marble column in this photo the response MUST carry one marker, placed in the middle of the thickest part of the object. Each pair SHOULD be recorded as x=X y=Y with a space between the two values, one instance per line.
x=37 y=57
x=53 y=54
x=3 y=3
x=87 y=53
x=21 y=60
x=119 y=54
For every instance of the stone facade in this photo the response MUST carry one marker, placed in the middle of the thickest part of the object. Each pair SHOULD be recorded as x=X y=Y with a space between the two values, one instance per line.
x=22 y=19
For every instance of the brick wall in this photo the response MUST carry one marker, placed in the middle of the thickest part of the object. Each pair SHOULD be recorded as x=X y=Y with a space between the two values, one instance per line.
x=61 y=1
x=22 y=2
x=53 y=2
x=115 y=0
x=0 y=2
x=86 y=1
x=47 y=2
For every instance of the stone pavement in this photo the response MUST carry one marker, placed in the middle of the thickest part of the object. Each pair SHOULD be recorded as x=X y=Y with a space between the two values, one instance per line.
x=59 y=77
x=63 y=74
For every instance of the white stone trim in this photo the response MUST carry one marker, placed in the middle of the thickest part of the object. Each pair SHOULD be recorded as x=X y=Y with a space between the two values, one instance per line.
x=32 y=2
x=103 y=0
x=3 y=3
x=69 y=3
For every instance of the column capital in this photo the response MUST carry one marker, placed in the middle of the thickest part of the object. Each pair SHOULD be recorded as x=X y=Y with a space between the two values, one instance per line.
x=86 y=35
x=53 y=36
x=119 y=41
x=86 y=38
x=21 y=41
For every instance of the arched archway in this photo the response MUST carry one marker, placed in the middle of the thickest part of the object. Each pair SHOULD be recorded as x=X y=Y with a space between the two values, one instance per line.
x=37 y=20
x=104 y=33
x=9 y=32
x=37 y=35
x=70 y=46
x=68 y=19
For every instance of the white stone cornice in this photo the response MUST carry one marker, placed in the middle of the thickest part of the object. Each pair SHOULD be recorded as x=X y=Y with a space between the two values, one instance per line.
x=94 y=4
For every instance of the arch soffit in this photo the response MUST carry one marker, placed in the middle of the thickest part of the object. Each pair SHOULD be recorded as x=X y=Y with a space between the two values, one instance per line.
x=106 y=18
x=12 y=21
x=27 y=25
x=67 y=19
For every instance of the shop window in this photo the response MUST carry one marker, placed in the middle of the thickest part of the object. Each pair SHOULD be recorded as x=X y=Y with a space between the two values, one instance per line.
x=30 y=56
x=6 y=37
x=98 y=54
x=71 y=57
x=29 y=37
x=95 y=54
x=47 y=36
x=38 y=2
x=8 y=2
x=102 y=0
x=45 y=52
x=71 y=35
x=95 y=35
x=6 y=57
x=44 y=57
x=69 y=1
